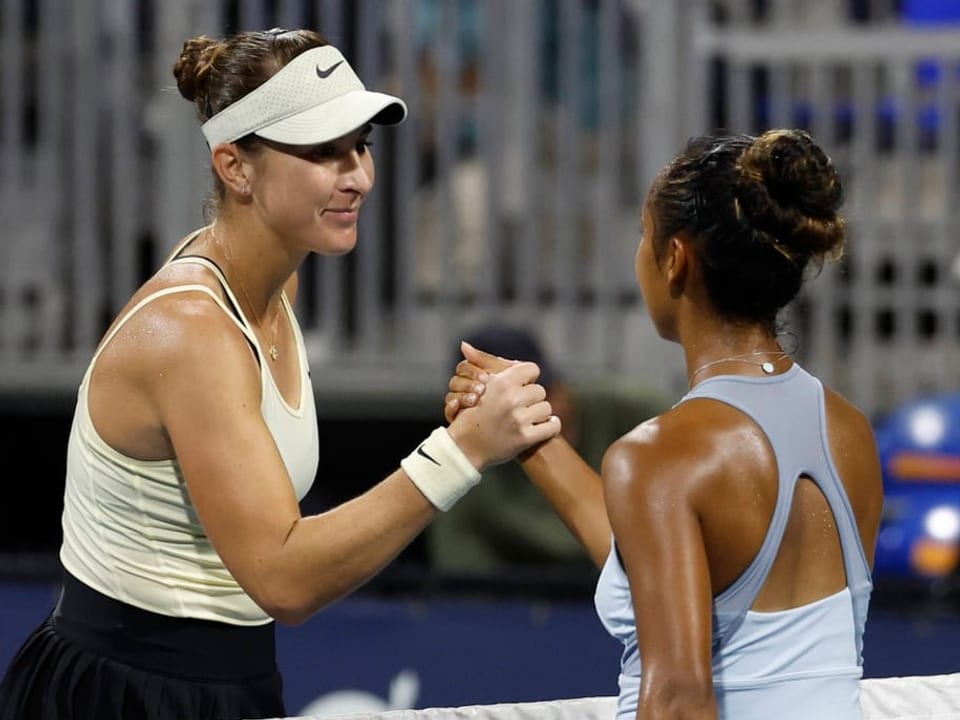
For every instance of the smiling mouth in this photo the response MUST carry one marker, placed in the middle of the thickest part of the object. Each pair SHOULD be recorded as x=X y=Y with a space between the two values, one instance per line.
x=350 y=215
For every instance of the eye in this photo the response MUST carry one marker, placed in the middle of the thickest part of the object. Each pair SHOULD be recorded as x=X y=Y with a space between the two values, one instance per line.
x=323 y=152
x=363 y=144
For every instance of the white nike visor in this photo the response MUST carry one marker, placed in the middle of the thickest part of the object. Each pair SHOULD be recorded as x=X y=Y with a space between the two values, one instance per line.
x=315 y=98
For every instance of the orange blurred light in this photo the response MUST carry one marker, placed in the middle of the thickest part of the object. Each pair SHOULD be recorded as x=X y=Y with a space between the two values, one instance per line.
x=925 y=466
x=933 y=558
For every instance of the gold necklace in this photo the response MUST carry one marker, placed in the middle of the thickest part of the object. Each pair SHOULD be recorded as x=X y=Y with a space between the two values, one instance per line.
x=768 y=366
x=272 y=351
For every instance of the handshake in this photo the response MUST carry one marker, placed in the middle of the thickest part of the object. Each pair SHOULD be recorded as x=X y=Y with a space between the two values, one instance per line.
x=513 y=417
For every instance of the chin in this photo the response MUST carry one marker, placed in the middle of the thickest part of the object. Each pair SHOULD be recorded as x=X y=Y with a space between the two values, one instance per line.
x=338 y=244
x=346 y=247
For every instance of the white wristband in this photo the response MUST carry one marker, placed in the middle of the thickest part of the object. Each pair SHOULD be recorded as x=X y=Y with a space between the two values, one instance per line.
x=440 y=470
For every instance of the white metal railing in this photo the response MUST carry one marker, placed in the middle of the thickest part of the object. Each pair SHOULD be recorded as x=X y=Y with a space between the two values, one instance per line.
x=883 y=97
x=512 y=191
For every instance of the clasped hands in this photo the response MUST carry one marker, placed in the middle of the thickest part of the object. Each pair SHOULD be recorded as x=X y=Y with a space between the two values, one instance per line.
x=514 y=415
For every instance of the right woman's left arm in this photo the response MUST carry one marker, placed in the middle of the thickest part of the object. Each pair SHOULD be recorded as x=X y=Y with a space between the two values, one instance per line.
x=648 y=483
x=567 y=482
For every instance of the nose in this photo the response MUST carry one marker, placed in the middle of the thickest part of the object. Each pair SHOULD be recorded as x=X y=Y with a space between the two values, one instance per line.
x=357 y=172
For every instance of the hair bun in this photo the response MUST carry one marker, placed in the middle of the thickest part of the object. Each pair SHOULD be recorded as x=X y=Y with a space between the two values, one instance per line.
x=789 y=189
x=192 y=68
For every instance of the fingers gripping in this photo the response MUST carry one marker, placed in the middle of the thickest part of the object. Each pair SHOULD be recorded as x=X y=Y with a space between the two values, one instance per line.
x=484 y=360
x=469 y=382
x=513 y=416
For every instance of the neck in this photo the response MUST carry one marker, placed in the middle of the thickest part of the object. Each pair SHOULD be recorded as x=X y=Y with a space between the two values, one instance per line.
x=248 y=268
x=236 y=280
x=746 y=352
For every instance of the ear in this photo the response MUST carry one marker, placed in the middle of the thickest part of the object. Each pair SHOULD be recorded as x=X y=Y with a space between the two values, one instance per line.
x=233 y=168
x=677 y=263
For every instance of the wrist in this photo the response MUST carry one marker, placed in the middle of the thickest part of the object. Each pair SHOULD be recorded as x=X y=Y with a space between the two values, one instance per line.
x=541 y=453
x=467 y=445
x=440 y=469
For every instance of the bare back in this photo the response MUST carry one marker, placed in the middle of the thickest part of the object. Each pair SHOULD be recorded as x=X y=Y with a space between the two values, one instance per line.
x=739 y=501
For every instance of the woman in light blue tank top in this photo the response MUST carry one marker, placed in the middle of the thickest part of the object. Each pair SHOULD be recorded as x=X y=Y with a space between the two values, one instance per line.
x=735 y=531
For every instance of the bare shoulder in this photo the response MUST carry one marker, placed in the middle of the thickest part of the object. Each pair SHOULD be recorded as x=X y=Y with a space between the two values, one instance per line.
x=852 y=436
x=183 y=324
x=175 y=354
x=845 y=412
x=667 y=451
x=853 y=442
x=686 y=451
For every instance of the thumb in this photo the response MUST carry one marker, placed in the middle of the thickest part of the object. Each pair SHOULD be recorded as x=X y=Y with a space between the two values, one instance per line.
x=483 y=359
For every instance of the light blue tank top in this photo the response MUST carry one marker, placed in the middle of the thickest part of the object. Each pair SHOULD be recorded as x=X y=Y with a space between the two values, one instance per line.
x=803 y=662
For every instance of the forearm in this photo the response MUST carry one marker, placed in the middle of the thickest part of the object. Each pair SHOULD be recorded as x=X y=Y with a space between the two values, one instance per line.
x=574 y=490
x=327 y=556
x=680 y=699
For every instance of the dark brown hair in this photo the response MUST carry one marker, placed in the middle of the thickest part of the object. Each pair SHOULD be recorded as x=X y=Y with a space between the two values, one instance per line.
x=214 y=73
x=760 y=210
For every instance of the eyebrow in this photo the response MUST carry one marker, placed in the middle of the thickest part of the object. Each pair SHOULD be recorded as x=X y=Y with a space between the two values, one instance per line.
x=284 y=147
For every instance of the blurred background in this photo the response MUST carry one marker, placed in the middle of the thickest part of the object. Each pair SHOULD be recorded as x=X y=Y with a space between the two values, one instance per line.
x=509 y=200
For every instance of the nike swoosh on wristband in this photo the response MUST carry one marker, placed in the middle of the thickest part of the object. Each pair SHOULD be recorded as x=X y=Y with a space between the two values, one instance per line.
x=420 y=451
x=323 y=74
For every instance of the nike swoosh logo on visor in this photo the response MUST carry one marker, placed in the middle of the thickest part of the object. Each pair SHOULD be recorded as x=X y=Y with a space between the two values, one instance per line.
x=323 y=74
x=420 y=451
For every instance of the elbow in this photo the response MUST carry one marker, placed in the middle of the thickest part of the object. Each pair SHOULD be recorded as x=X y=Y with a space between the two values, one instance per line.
x=288 y=617
x=291 y=601
x=598 y=541
x=681 y=697
x=286 y=604
x=599 y=550
x=291 y=591
x=285 y=609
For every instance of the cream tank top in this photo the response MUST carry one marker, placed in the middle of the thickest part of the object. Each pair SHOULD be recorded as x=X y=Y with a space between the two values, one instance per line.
x=130 y=530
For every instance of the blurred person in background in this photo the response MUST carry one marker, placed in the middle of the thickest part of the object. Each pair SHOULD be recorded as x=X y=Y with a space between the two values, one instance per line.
x=736 y=531
x=504 y=529
x=461 y=202
x=195 y=433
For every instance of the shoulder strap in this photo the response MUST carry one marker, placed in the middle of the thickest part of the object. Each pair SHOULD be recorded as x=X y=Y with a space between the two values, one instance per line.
x=221 y=278
x=235 y=303
x=182 y=244
x=163 y=293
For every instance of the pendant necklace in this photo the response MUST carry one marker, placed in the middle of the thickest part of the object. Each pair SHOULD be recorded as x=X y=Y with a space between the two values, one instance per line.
x=272 y=350
x=767 y=366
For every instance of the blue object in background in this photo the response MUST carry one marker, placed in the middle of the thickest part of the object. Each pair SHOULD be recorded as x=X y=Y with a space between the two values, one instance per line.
x=919 y=446
x=930 y=12
x=930 y=15
x=890 y=110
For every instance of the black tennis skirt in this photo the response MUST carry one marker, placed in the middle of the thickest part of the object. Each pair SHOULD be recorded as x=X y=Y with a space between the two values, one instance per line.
x=96 y=658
